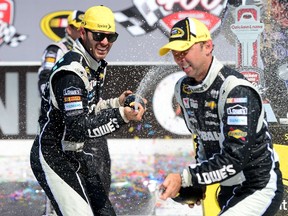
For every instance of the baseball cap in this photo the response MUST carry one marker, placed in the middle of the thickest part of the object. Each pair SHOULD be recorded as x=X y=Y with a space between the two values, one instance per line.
x=99 y=18
x=184 y=34
x=75 y=18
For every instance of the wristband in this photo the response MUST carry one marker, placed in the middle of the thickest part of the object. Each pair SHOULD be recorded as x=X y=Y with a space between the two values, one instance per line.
x=186 y=178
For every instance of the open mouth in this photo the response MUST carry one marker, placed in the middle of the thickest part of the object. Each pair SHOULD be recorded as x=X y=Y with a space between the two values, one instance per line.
x=102 y=49
x=186 y=66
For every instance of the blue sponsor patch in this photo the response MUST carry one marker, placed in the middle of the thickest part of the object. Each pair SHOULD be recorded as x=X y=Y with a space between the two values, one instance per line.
x=73 y=106
x=237 y=120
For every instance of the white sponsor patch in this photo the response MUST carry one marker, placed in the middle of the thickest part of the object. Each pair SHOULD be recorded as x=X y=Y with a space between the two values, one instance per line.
x=194 y=103
x=237 y=110
x=209 y=114
x=73 y=106
x=72 y=91
x=237 y=120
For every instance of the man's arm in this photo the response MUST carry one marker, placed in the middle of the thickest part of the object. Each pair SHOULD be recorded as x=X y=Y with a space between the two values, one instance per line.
x=80 y=122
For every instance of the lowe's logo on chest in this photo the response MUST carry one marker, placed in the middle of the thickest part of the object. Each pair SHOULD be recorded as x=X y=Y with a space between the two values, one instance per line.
x=72 y=91
x=237 y=110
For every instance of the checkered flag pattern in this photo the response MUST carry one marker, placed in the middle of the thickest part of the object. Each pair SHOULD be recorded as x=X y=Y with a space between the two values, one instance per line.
x=16 y=40
x=142 y=17
x=10 y=36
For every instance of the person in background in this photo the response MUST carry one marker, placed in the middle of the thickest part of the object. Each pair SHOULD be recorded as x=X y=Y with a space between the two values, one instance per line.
x=73 y=113
x=55 y=51
x=225 y=113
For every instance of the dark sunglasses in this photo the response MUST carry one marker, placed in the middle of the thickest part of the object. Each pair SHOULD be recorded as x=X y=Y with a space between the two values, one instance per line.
x=99 y=36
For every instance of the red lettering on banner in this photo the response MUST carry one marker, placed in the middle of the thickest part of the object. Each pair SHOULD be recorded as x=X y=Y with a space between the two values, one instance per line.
x=188 y=5
x=6 y=11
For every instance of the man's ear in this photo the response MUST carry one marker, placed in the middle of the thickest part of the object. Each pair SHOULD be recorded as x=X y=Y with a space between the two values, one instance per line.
x=209 y=46
x=82 y=32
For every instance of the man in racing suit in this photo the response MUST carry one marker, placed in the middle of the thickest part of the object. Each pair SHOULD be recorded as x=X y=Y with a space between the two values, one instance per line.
x=55 y=51
x=52 y=54
x=72 y=112
x=226 y=114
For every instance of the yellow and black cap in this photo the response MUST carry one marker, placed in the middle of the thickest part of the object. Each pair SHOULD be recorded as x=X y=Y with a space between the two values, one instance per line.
x=184 y=34
x=99 y=18
x=75 y=18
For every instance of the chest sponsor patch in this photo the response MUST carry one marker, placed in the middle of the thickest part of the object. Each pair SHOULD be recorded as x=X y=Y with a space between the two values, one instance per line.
x=72 y=91
x=237 y=120
x=194 y=103
x=238 y=134
x=72 y=99
x=237 y=110
x=209 y=114
x=214 y=93
x=186 y=102
x=211 y=123
x=73 y=106
x=211 y=104
x=236 y=100
x=209 y=135
x=187 y=89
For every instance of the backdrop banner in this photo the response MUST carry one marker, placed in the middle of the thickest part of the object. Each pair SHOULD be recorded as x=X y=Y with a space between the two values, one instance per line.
x=20 y=102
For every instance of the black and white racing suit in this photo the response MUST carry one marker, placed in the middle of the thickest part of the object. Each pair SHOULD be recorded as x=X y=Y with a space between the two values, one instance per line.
x=98 y=146
x=71 y=114
x=234 y=147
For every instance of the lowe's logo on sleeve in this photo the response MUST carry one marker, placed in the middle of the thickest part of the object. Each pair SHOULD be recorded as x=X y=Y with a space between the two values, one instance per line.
x=237 y=120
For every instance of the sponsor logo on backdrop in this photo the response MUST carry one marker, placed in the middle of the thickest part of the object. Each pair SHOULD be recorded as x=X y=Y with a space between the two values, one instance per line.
x=248 y=28
x=8 y=34
x=53 y=24
x=147 y=15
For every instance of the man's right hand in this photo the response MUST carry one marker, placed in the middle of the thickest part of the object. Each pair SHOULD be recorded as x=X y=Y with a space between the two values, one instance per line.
x=134 y=115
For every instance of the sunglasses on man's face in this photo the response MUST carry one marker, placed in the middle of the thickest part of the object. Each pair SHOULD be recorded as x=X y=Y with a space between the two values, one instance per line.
x=99 y=36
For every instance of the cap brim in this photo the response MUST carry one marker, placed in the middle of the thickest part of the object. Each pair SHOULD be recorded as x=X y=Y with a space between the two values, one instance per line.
x=176 y=45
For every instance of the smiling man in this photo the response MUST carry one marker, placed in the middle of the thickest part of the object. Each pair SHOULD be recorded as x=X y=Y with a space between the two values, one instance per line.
x=225 y=113
x=73 y=114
